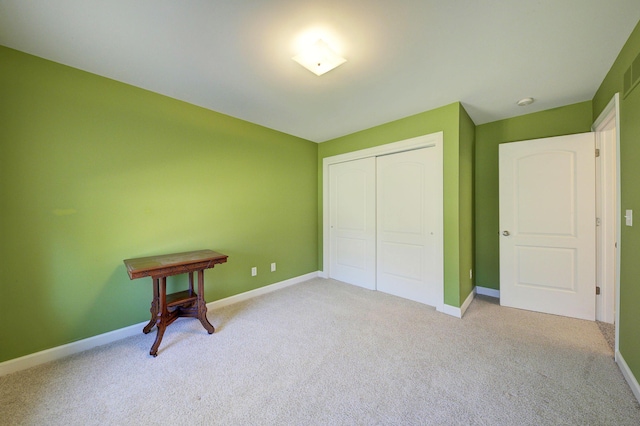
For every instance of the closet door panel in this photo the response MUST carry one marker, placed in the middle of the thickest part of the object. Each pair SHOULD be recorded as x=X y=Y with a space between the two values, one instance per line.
x=352 y=233
x=407 y=211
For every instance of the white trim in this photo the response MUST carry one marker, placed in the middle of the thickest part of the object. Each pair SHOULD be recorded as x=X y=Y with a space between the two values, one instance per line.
x=391 y=148
x=52 y=354
x=628 y=375
x=217 y=304
x=486 y=291
x=451 y=310
x=458 y=312
x=606 y=213
x=612 y=111
x=466 y=303
x=612 y=106
x=430 y=140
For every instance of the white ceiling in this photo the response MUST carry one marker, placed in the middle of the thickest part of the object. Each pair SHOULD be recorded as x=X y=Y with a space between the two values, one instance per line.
x=403 y=57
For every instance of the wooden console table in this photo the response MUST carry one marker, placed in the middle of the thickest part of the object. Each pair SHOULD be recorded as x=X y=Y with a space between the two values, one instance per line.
x=166 y=308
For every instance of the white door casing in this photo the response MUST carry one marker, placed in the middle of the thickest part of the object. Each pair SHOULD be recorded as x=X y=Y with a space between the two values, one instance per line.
x=352 y=222
x=432 y=141
x=406 y=222
x=607 y=126
x=547 y=225
x=606 y=213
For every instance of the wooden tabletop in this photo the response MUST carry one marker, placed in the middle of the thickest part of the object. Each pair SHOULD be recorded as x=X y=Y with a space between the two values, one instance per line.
x=173 y=264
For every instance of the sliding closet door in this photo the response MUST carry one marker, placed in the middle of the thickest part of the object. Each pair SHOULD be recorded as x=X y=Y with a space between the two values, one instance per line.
x=408 y=225
x=352 y=234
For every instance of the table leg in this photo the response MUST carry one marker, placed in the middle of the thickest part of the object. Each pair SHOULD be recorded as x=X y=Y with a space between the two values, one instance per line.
x=191 y=290
x=154 y=307
x=163 y=317
x=202 y=306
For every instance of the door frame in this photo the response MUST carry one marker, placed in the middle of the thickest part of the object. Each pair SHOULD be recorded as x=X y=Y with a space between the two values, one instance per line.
x=434 y=140
x=610 y=259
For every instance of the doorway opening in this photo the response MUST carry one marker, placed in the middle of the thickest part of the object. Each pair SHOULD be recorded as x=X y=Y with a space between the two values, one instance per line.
x=607 y=131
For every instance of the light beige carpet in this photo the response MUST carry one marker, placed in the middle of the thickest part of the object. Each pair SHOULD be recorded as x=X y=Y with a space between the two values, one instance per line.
x=324 y=352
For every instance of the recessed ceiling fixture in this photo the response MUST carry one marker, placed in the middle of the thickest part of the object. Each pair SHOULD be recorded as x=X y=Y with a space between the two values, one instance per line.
x=319 y=58
x=525 y=101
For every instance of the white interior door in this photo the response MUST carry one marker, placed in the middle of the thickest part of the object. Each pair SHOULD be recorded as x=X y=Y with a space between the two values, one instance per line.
x=408 y=206
x=352 y=222
x=547 y=225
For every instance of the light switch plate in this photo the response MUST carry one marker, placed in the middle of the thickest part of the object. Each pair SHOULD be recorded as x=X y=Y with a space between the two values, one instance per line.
x=628 y=217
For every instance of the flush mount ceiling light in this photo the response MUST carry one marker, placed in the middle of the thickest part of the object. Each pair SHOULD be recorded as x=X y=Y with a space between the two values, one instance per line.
x=319 y=58
x=525 y=101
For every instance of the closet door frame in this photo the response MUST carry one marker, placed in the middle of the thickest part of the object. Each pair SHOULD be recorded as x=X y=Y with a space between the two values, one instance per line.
x=434 y=141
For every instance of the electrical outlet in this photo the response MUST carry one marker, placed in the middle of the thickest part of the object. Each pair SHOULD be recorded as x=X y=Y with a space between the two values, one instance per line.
x=254 y=271
x=273 y=267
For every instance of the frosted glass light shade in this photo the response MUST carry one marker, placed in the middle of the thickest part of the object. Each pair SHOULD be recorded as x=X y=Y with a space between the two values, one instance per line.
x=319 y=58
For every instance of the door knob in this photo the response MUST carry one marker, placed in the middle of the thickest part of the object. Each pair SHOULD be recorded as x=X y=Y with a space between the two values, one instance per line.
x=506 y=233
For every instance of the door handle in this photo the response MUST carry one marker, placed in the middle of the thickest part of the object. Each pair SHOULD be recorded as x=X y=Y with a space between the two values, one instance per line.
x=506 y=233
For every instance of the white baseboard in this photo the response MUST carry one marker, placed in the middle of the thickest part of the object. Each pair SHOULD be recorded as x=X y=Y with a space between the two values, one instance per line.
x=485 y=291
x=466 y=303
x=260 y=291
x=31 y=360
x=458 y=312
x=628 y=375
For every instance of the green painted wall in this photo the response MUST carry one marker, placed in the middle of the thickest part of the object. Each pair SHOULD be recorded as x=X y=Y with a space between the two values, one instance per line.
x=446 y=119
x=93 y=171
x=630 y=196
x=566 y=120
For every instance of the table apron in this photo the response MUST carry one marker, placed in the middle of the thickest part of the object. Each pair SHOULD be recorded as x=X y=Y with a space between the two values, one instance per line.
x=175 y=270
